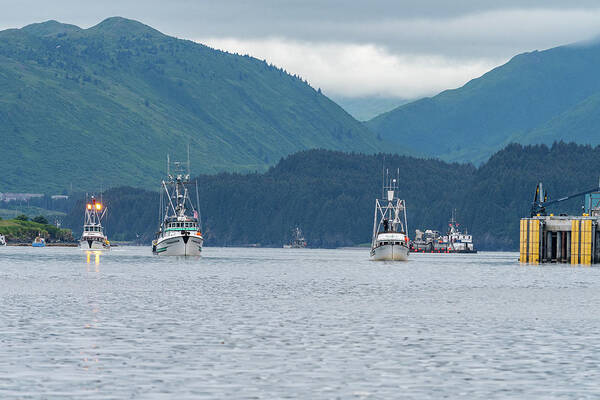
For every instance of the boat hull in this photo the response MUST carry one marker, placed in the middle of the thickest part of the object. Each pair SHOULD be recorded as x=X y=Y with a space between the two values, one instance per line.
x=390 y=252
x=183 y=245
x=89 y=244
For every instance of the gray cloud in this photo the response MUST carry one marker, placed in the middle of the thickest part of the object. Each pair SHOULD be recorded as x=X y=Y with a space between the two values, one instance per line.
x=381 y=44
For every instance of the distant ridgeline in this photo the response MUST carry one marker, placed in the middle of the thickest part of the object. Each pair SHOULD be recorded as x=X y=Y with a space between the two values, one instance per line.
x=536 y=97
x=110 y=102
x=330 y=195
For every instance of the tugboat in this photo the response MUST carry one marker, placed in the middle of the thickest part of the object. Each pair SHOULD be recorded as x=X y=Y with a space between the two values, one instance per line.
x=39 y=241
x=454 y=241
x=298 y=241
x=457 y=241
x=179 y=232
x=390 y=240
x=93 y=237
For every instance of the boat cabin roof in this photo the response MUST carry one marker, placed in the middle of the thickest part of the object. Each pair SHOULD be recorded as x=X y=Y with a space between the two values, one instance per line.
x=391 y=236
x=181 y=219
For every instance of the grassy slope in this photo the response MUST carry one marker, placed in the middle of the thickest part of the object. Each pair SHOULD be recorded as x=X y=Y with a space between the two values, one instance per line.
x=12 y=211
x=518 y=101
x=25 y=231
x=126 y=95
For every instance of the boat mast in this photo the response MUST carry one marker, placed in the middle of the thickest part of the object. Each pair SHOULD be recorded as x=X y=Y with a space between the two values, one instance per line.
x=198 y=205
x=375 y=225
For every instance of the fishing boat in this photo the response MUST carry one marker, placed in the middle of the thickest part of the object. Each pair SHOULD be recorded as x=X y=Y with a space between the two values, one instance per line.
x=39 y=241
x=390 y=238
x=298 y=240
x=2 y=240
x=454 y=241
x=93 y=237
x=179 y=232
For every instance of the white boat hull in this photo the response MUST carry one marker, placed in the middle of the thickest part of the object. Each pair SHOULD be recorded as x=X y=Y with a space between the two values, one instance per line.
x=179 y=246
x=390 y=252
x=89 y=244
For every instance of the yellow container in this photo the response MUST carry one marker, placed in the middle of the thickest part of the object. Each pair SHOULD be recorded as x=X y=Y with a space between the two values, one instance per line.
x=575 y=241
x=586 y=242
x=523 y=241
x=534 y=241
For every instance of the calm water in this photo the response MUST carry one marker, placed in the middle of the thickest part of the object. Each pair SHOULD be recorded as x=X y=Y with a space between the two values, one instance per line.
x=281 y=323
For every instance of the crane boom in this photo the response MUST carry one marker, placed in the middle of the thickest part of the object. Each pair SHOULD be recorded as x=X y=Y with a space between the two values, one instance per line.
x=538 y=206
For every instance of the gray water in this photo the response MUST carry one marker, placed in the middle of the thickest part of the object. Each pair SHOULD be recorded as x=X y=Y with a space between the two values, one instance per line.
x=283 y=323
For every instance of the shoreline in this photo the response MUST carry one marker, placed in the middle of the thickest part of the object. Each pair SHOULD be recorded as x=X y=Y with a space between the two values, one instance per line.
x=47 y=244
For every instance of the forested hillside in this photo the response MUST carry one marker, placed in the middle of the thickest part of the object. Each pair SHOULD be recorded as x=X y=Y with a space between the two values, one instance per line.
x=103 y=106
x=330 y=195
x=537 y=97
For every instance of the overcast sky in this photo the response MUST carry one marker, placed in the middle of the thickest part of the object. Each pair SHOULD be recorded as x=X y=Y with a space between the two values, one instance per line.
x=389 y=48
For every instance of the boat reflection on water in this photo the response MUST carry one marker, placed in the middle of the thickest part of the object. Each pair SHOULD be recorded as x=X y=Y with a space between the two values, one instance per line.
x=95 y=254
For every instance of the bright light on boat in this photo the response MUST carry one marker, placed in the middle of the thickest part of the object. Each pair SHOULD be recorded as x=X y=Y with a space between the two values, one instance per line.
x=98 y=206
x=89 y=206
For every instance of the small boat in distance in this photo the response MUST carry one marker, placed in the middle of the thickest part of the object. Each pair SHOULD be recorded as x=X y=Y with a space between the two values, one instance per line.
x=179 y=232
x=2 y=240
x=390 y=238
x=298 y=240
x=93 y=237
x=39 y=241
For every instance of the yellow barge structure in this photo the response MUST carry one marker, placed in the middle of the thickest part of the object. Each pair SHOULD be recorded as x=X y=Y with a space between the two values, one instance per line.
x=562 y=238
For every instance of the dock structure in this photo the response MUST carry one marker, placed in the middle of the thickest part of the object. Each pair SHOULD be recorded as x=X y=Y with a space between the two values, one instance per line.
x=564 y=238
x=561 y=239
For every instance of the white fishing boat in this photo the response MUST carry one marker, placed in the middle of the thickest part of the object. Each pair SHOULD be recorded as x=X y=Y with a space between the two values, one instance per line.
x=2 y=240
x=390 y=239
x=179 y=233
x=455 y=241
x=298 y=241
x=93 y=237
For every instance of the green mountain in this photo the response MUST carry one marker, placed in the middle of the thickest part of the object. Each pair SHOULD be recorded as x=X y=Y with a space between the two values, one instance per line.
x=537 y=97
x=103 y=106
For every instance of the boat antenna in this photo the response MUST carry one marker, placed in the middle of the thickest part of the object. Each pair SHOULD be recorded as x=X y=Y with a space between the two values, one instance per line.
x=198 y=205
x=160 y=207
x=405 y=220
x=168 y=165
x=188 y=160
x=383 y=178
x=387 y=180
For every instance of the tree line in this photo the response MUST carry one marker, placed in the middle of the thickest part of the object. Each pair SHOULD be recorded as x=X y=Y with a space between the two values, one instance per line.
x=330 y=195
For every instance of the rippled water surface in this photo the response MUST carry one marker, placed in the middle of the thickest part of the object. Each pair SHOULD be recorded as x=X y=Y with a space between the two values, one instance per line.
x=283 y=323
